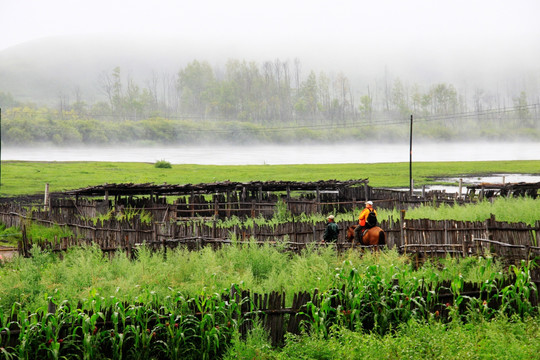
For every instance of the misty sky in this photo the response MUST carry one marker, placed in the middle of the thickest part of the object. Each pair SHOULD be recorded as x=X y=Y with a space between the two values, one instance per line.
x=483 y=36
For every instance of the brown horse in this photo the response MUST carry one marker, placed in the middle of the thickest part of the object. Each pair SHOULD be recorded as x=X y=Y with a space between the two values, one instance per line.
x=372 y=237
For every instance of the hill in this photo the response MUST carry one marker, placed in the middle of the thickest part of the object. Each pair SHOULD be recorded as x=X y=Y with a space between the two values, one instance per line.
x=44 y=70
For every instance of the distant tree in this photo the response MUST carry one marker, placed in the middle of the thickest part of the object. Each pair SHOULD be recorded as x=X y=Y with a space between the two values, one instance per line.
x=194 y=85
x=444 y=99
x=7 y=101
x=366 y=107
x=521 y=104
x=17 y=136
x=330 y=110
x=307 y=103
x=398 y=98
x=342 y=95
x=111 y=86
x=478 y=96
x=416 y=100
x=245 y=83
x=137 y=103
x=66 y=133
x=79 y=106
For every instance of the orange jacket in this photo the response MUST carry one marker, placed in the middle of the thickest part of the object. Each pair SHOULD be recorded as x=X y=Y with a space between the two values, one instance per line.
x=363 y=215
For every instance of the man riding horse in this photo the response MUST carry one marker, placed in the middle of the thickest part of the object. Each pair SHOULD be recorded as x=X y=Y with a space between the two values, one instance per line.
x=366 y=220
x=367 y=233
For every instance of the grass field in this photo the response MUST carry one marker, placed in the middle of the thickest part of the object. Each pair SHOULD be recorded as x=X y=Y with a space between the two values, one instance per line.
x=85 y=275
x=406 y=325
x=21 y=177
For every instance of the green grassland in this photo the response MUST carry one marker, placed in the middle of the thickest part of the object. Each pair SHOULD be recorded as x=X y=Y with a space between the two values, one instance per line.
x=407 y=326
x=21 y=177
x=84 y=274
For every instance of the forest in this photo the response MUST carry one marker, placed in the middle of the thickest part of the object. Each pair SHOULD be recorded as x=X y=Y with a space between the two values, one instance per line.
x=269 y=102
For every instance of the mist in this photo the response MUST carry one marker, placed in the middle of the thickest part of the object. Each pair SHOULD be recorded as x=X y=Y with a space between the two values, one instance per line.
x=378 y=63
x=478 y=44
x=268 y=154
x=44 y=70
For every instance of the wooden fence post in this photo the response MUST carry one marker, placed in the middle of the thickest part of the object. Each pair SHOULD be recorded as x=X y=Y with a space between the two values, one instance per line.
x=366 y=192
x=228 y=204
x=192 y=203
x=445 y=232
x=402 y=230
x=46 y=199
x=353 y=207
x=216 y=206
x=24 y=241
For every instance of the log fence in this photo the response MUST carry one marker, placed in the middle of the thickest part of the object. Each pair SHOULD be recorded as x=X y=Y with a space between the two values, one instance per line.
x=193 y=221
x=422 y=236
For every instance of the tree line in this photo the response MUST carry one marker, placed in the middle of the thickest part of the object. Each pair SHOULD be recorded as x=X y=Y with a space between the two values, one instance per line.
x=273 y=101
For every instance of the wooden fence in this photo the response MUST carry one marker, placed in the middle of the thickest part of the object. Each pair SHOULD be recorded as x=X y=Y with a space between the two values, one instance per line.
x=223 y=205
x=423 y=236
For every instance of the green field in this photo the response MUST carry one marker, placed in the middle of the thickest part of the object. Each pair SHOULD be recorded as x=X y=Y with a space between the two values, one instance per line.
x=407 y=325
x=406 y=328
x=21 y=177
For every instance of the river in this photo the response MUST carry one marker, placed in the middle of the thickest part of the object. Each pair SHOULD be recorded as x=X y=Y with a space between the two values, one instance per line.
x=285 y=154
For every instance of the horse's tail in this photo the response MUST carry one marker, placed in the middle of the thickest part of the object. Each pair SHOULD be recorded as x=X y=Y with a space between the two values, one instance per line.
x=382 y=237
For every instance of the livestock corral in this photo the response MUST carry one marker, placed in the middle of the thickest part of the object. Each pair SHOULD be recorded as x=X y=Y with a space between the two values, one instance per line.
x=188 y=214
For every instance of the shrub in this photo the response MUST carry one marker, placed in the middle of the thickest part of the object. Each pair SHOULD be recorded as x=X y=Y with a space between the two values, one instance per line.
x=162 y=164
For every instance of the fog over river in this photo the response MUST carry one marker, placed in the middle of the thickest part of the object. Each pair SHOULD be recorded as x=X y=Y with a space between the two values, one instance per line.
x=285 y=154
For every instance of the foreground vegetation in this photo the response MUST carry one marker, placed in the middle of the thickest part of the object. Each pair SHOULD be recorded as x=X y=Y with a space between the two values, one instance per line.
x=86 y=274
x=150 y=301
x=22 y=177
x=503 y=338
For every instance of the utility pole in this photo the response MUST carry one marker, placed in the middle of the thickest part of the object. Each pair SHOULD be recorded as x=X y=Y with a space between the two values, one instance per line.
x=410 y=161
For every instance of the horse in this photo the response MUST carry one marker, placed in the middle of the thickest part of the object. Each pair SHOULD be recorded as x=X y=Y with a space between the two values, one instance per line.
x=374 y=236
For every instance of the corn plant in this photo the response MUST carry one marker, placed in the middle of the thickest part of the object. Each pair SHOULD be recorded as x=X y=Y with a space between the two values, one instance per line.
x=515 y=298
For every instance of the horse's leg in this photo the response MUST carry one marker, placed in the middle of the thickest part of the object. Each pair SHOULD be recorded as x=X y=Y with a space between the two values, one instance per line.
x=357 y=234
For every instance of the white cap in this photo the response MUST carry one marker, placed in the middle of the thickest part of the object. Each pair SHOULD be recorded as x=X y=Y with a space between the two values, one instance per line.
x=369 y=202
x=331 y=217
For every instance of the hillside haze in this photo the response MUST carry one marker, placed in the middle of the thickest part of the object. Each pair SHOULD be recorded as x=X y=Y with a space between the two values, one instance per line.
x=47 y=69
x=43 y=70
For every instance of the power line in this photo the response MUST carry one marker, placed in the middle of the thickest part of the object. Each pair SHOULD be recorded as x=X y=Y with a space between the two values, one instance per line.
x=379 y=121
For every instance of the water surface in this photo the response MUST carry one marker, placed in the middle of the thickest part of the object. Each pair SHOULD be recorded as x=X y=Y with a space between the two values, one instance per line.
x=285 y=154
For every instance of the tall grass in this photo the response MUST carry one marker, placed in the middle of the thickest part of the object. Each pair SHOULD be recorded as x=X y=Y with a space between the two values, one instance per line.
x=151 y=301
x=521 y=209
x=504 y=338
x=84 y=273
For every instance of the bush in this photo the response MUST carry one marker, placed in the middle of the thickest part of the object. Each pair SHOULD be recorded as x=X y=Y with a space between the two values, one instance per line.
x=162 y=164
